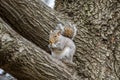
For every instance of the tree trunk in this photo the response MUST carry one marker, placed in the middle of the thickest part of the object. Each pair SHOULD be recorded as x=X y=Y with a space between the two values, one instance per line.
x=98 y=45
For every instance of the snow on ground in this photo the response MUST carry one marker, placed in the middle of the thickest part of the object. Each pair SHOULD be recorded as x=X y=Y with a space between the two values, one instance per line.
x=50 y=3
x=1 y=71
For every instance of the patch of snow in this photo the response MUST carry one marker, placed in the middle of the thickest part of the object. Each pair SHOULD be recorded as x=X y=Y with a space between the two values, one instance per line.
x=1 y=71
x=50 y=3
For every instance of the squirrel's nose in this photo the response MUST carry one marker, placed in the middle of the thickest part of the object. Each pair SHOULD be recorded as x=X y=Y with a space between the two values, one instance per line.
x=50 y=41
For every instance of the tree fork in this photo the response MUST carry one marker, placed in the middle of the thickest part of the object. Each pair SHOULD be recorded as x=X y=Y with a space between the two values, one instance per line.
x=25 y=61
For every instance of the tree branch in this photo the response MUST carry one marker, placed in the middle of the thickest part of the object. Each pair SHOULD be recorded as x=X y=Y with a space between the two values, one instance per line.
x=32 y=19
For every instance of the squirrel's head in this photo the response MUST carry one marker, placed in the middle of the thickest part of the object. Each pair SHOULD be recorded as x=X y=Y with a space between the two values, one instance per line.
x=54 y=36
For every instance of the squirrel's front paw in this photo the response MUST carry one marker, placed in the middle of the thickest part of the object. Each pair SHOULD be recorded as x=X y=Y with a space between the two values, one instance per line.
x=53 y=46
x=49 y=45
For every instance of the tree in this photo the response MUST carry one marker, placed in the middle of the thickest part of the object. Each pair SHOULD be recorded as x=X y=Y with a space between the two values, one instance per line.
x=97 y=55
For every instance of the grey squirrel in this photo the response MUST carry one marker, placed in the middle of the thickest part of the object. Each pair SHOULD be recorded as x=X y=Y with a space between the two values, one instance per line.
x=62 y=47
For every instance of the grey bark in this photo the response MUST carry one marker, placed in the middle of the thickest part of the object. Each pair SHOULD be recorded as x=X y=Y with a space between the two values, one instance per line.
x=98 y=44
x=29 y=19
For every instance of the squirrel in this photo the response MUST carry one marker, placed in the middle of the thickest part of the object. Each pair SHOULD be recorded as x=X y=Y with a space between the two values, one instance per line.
x=61 y=47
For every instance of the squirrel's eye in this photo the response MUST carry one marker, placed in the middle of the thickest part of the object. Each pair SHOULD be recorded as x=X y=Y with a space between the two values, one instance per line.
x=55 y=36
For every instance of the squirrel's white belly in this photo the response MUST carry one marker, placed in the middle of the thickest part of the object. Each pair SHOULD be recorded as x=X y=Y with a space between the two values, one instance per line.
x=61 y=54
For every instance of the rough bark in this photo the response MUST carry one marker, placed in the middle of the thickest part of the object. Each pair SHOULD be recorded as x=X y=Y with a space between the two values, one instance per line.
x=98 y=44
x=31 y=19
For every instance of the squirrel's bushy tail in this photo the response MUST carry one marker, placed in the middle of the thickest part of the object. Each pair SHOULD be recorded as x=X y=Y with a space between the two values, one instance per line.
x=68 y=30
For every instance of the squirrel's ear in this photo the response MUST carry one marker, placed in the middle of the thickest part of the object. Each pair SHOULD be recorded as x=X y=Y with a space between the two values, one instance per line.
x=51 y=31
x=59 y=32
